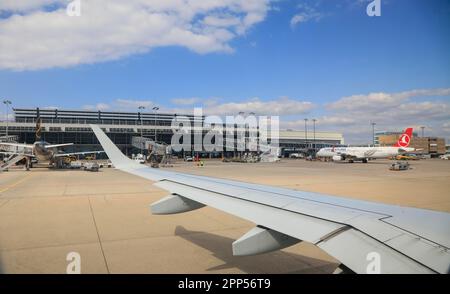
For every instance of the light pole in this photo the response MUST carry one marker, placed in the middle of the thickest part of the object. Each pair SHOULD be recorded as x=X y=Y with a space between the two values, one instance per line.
x=314 y=131
x=155 y=109
x=373 y=133
x=306 y=134
x=141 y=108
x=7 y=103
x=423 y=132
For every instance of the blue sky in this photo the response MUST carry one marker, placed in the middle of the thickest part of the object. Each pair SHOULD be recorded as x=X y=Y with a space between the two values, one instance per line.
x=396 y=66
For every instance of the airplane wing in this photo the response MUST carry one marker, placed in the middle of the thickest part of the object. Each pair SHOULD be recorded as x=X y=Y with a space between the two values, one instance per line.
x=366 y=237
x=346 y=154
x=352 y=154
x=15 y=145
x=77 y=153
x=16 y=148
x=57 y=145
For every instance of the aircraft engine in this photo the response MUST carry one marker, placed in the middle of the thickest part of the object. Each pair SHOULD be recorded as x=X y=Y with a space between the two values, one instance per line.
x=174 y=204
x=337 y=158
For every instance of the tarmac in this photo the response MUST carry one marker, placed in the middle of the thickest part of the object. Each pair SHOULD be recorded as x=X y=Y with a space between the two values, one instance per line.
x=104 y=216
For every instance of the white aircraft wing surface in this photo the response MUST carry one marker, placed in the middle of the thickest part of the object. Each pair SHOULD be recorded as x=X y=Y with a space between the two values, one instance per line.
x=357 y=154
x=57 y=145
x=16 y=145
x=364 y=236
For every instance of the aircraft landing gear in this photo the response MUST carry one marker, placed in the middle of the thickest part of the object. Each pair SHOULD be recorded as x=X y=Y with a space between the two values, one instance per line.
x=27 y=164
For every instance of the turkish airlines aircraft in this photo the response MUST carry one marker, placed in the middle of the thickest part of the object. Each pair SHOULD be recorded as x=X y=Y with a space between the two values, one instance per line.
x=366 y=237
x=364 y=153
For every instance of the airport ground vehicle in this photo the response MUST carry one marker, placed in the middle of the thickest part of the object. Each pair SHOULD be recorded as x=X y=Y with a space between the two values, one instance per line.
x=91 y=166
x=69 y=159
x=76 y=164
x=445 y=157
x=108 y=164
x=407 y=157
x=89 y=157
x=188 y=158
x=140 y=158
x=399 y=166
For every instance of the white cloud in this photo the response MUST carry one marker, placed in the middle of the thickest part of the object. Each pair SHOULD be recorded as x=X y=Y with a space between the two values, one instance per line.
x=98 y=106
x=446 y=127
x=307 y=13
x=26 y=5
x=280 y=106
x=381 y=100
x=51 y=107
x=213 y=106
x=390 y=111
x=185 y=101
x=125 y=104
x=112 y=29
x=350 y=115
x=121 y=105
x=224 y=21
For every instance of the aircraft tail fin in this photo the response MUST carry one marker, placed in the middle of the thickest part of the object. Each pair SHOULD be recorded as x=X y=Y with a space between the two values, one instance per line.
x=38 y=129
x=405 y=138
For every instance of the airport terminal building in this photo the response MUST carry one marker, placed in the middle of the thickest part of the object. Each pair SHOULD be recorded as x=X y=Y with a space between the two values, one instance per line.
x=72 y=126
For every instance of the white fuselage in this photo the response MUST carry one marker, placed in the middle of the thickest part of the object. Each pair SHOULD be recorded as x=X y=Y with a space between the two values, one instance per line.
x=362 y=152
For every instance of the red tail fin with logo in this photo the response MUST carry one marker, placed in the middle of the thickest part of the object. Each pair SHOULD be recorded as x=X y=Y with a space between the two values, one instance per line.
x=405 y=138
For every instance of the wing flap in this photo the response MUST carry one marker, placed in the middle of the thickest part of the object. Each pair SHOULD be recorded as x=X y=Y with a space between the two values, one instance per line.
x=364 y=254
x=432 y=226
x=423 y=251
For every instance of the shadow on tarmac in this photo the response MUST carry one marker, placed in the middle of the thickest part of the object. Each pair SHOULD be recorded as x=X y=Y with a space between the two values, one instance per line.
x=272 y=262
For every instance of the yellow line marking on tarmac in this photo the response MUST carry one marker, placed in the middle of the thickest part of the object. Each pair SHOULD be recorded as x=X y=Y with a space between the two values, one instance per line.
x=16 y=183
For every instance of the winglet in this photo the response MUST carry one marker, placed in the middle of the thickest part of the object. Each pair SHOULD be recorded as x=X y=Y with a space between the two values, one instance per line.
x=115 y=155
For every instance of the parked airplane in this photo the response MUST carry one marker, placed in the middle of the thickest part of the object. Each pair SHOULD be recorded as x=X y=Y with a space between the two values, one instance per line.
x=364 y=153
x=366 y=237
x=41 y=150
